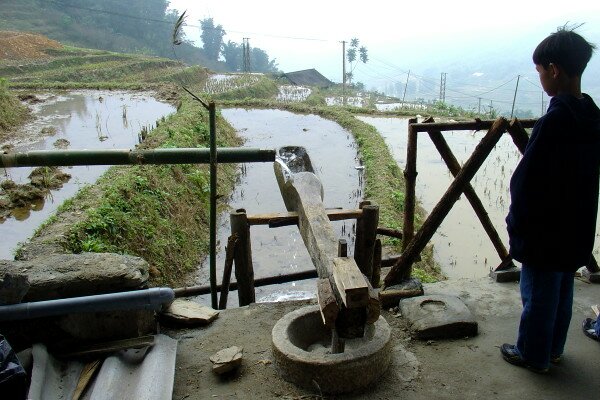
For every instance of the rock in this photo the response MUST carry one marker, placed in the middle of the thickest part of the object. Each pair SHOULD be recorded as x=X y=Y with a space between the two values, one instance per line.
x=438 y=317
x=13 y=285
x=70 y=275
x=189 y=313
x=227 y=359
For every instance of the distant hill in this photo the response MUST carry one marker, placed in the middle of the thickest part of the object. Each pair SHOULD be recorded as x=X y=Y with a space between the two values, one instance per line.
x=142 y=27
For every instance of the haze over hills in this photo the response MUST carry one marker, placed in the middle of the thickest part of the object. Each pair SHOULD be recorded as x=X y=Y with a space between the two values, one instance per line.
x=480 y=69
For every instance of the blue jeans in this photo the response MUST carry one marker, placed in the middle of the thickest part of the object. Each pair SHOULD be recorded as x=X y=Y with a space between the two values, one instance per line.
x=547 y=298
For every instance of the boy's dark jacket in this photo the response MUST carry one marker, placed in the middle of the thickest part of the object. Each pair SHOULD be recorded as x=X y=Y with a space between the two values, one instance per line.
x=554 y=189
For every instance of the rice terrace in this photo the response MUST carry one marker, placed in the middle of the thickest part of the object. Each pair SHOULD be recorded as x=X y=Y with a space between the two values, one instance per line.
x=188 y=218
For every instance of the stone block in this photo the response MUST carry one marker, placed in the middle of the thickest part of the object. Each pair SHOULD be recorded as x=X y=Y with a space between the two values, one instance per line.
x=508 y=275
x=70 y=275
x=438 y=317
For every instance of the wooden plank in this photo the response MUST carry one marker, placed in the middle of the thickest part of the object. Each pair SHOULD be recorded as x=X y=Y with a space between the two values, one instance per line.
x=350 y=282
x=327 y=303
x=291 y=218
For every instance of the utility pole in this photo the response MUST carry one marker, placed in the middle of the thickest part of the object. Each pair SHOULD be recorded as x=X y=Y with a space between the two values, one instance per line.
x=515 y=98
x=246 y=54
x=443 y=87
x=343 y=72
x=405 y=86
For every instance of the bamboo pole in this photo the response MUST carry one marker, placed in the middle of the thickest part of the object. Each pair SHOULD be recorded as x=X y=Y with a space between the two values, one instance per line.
x=244 y=272
x=212 y=117
x=48 y=158
x=410 y=176
x=402 y=269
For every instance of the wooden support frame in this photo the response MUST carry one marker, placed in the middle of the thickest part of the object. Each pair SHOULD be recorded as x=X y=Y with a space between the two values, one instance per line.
x=403 y=267
x=515 y=128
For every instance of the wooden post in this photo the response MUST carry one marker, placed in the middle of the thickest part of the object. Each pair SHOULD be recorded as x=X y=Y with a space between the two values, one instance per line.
x=229 y=252
x=410 y=176
x=244 y=272
x=366 y=233
x=376 y=280
x=403 y=268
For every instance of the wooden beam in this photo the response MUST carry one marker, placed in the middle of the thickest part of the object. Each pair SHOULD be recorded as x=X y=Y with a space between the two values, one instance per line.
x=475 y=125
x=275 y=220
x=350 y=283
x=244 y=271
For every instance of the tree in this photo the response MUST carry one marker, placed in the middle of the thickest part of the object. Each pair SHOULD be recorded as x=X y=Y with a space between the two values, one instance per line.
x=232 y=52
x=259 y=60
x=351 y=57
x=212 y=39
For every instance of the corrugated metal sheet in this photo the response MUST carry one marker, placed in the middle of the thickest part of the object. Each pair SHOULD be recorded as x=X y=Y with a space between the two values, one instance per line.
x=140 y=374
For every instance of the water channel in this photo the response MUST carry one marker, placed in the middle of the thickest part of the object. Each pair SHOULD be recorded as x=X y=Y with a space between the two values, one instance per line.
x=281 y=250
x=87 y=120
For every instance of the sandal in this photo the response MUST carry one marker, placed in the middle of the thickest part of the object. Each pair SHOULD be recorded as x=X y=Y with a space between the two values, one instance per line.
x=589 y=329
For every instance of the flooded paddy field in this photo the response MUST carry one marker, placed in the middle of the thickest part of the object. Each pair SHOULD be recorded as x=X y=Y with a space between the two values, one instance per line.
x=74 y=120
x=277 y=251
x=461 y=246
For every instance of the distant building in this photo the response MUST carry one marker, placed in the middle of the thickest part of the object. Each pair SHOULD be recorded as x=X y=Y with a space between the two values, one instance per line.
x=308 y=77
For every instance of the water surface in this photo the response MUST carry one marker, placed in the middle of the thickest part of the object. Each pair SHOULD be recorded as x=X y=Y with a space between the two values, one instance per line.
x=88 y=120
x=281 y=250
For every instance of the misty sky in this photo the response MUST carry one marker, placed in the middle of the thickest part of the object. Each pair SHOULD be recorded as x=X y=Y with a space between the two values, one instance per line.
x=425 y=37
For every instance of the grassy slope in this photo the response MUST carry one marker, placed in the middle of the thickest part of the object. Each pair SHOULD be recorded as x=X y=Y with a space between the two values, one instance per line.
x=12 y=112
x=72 y=67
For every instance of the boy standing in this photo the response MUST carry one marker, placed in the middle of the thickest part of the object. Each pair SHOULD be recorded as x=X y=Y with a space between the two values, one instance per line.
x=554 y=201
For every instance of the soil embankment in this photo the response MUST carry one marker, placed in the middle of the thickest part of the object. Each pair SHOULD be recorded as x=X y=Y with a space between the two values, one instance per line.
x=25 y=46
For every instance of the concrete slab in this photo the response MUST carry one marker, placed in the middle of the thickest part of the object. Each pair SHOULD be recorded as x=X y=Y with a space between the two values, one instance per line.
x=469 y=369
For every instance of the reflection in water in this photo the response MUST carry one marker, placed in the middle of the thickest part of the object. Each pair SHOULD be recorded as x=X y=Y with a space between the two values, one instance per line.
x=84 y=120
x=277 y=251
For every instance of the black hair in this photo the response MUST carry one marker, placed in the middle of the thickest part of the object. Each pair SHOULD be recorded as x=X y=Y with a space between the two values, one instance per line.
x=565 y=48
